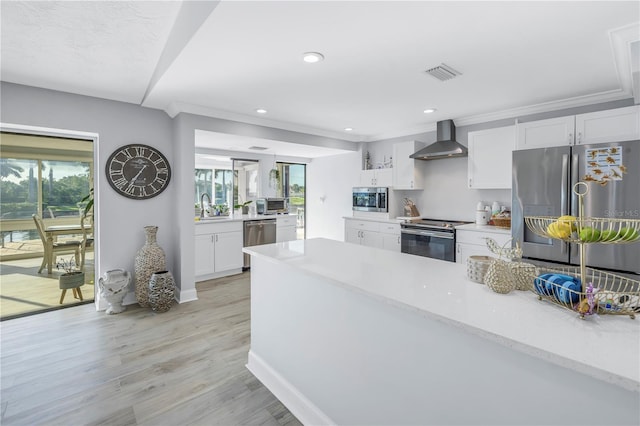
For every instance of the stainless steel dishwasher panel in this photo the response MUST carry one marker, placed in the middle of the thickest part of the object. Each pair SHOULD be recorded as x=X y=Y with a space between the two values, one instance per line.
x=258 y=232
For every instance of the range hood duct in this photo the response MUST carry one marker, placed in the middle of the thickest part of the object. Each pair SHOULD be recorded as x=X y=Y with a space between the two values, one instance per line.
x=445 y=146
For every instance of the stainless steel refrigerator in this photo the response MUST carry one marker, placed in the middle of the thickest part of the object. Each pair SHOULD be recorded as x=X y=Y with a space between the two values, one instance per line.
x=543 y=182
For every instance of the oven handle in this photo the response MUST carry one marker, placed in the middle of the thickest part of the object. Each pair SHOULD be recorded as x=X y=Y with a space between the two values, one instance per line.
x=447 y=235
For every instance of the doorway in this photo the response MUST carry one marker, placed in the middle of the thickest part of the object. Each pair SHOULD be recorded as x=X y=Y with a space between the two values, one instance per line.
x=292 y=185
x=49 y=178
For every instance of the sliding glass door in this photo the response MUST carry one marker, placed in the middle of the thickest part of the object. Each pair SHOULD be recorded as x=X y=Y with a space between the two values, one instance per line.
x=292 y=185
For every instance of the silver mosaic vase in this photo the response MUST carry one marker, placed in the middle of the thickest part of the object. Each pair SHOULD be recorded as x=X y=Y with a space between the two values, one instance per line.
x=161 y=291
x=149 y=259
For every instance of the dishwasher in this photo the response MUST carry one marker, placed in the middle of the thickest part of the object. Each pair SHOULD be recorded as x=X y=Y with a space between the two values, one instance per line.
x=258 y=232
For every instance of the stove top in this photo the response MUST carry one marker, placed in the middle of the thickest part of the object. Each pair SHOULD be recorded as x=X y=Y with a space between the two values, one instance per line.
x=434 y=223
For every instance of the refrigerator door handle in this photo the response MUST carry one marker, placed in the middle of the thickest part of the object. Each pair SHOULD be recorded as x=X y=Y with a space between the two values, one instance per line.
x=564 y=196
x=574 y=180
x=564 y=183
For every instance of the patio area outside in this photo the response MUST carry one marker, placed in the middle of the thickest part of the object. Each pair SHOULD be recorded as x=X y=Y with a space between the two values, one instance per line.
x=23 y=291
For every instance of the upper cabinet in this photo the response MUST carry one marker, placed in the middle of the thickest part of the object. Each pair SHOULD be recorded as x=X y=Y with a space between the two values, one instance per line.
x=376 y=177
x=406 y=173
x=622 y=124
x=490 y=153
x=545 y=133
x=613 y=125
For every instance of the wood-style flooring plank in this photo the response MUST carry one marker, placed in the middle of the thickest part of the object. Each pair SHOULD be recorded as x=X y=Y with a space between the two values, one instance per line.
x=186 y=366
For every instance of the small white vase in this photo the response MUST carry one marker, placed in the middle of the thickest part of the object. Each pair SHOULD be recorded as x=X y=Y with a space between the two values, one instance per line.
x=113 y=288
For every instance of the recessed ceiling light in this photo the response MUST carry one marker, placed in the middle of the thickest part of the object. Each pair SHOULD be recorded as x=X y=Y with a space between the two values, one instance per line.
x=429 y=110
x=261 y=111
x=348 y=129
x=312 y=57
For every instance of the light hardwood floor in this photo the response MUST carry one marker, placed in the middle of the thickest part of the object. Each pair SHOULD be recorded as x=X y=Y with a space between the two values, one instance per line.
x=186 y=366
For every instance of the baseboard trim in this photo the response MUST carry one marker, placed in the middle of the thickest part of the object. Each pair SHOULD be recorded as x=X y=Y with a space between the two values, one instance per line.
x=297 y=403
x=187 y=295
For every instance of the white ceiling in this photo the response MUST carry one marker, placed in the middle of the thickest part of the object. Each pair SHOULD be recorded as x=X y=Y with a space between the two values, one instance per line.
x=226 y=59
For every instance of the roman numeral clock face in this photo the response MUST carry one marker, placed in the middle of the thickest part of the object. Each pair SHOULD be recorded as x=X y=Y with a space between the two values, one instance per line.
x=138 y=171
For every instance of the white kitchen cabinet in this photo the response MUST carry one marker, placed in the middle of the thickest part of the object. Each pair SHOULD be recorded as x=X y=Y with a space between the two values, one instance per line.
x=546 y=133
x=613 y=125
x=490 y=153
x=376 y=177
x=621 y=124
x=390 y=236
x=363 y=232
x=474 y=243
x=204 y=255
x=218 y=250
x=406 y=172
x=286 y=228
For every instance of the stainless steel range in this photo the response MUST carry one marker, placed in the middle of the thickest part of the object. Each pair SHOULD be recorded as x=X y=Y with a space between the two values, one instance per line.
x=430 y=238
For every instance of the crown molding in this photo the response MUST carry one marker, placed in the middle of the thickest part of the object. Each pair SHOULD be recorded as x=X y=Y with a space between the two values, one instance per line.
x=175 y=108
x=578 y=101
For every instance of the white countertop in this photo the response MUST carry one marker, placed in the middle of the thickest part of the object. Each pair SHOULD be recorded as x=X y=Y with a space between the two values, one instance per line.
x=484 y=228
x=373 y=219
x=238 y=218
x=605 y=347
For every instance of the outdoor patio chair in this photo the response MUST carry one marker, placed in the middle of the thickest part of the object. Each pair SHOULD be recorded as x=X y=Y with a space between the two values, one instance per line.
x=52 y=248
x=86 y=223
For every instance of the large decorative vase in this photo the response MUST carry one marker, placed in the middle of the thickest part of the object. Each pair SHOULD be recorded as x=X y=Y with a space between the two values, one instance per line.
x=113 y=287
x=161 y=291
x=149 y=259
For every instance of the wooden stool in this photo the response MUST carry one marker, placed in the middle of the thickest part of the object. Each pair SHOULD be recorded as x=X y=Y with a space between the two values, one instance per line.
x=77 y=293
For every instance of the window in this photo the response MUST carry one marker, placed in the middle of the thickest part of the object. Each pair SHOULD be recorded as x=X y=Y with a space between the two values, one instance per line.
x=215 y=182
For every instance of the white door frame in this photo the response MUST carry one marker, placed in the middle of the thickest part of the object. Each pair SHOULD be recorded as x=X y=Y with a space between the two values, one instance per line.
x=73 y=134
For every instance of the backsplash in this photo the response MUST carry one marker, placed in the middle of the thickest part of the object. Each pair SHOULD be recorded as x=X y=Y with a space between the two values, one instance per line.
x=446 y=195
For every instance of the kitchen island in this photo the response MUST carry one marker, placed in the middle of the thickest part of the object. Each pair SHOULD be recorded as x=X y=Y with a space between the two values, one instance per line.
x=348 y=334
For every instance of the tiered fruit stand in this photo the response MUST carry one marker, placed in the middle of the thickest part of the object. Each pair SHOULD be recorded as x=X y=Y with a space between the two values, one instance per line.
x=598 y=292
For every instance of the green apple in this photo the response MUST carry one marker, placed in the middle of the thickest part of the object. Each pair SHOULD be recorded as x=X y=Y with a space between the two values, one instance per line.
x=629 y=234
x=589 y=235
x=609 y=235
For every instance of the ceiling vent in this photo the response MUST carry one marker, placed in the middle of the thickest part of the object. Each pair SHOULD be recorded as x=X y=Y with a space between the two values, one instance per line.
x=258 y=148
x=443 y=72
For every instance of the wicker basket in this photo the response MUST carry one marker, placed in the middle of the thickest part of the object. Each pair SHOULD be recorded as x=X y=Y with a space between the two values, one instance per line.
x=502 y=222
x=477 y=267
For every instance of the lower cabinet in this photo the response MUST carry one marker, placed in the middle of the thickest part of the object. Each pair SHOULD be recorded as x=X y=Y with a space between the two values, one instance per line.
x=286 y=229
x=390 y=236
x=218 y=250
x=474 y=243
x=382 y=235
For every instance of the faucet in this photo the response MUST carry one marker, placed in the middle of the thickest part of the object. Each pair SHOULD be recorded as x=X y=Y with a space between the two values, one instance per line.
x=202 y=203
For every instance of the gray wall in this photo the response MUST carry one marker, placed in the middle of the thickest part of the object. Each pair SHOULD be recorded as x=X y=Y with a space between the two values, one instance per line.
x=120 y=220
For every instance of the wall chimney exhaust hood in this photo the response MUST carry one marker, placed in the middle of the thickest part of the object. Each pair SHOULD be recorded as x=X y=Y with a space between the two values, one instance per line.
x=445 y=145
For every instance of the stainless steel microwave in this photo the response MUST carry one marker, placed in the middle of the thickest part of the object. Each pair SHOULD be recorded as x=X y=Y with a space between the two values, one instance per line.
x=371 y=199
x=272 y=205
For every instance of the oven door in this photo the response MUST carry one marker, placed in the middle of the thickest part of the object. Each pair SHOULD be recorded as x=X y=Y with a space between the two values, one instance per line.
x=427 y=243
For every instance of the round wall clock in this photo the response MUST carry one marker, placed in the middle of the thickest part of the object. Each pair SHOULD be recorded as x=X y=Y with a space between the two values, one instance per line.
x=138 y=171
